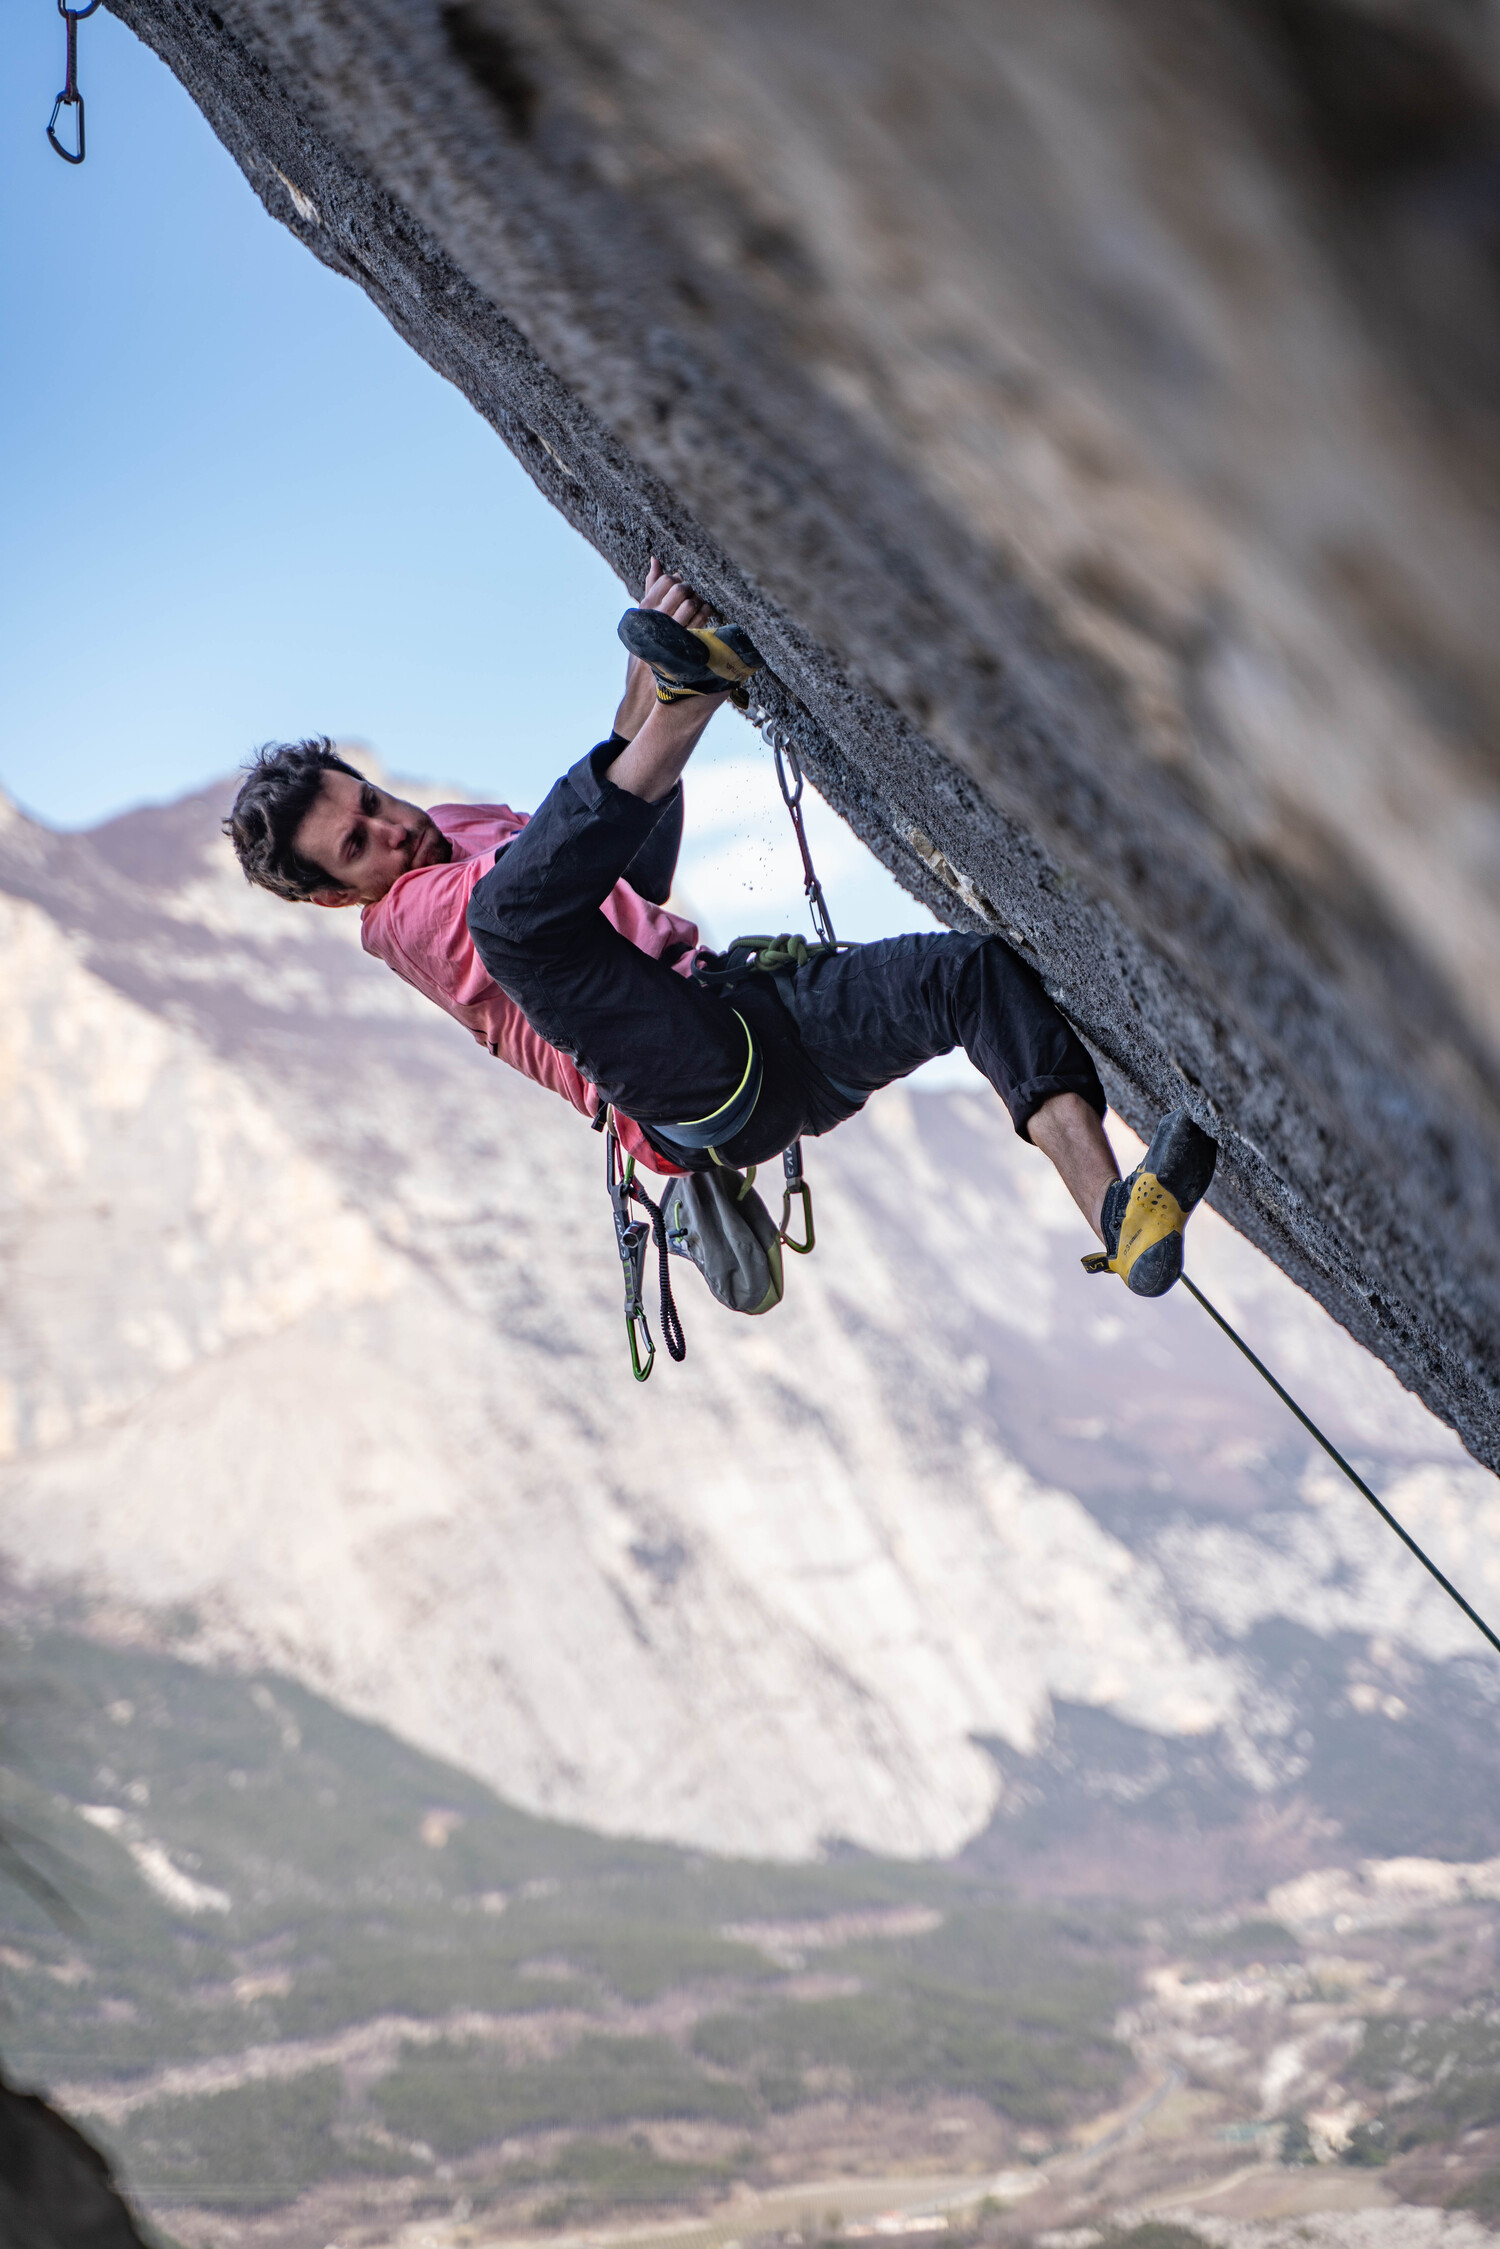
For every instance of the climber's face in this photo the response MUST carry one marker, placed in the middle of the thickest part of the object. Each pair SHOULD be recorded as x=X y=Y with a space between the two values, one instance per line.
x=363 y=838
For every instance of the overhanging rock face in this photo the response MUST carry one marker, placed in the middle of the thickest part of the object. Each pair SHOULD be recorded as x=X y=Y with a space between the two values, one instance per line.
x=1088 y=412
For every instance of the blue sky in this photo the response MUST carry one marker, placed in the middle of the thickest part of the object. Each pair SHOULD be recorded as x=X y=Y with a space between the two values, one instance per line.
x=237 y=505
x=239 y=508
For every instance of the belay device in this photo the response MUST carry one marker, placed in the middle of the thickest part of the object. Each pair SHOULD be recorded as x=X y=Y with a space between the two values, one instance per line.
x=715 y=1218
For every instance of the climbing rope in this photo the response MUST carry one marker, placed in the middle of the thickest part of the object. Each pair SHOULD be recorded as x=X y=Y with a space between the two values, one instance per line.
x=70 y=97
x=1337 y=1457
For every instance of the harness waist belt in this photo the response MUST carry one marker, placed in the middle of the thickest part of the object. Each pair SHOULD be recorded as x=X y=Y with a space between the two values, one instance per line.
x=732 y=1116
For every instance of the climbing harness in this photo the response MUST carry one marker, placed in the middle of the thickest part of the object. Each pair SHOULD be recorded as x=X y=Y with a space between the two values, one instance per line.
x=70 y=97
x=696 y=1135
x=1337 y=1457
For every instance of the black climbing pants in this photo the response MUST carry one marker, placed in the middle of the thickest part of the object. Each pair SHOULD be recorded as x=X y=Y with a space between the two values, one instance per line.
x=664 y=1047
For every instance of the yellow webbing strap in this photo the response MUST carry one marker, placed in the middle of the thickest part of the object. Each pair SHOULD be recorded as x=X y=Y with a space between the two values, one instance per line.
x=694 y=1124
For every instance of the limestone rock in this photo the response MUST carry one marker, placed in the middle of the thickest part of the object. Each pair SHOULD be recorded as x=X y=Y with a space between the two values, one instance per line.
x=1091 y=413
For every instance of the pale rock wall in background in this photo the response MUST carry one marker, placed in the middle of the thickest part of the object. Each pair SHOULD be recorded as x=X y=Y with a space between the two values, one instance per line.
x=1092 y=412
x=312 y=1357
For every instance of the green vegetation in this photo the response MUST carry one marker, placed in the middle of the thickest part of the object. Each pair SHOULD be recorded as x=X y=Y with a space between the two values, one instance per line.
x=598 y=2176
x=1367 y=2146
x=246 y=2149
x=1248 y=1941
x=1481 y=2195
x=335 y=1875
x=456 y=2097
x=971 y=2008
x=1296 y=2141
x=1453 y=2060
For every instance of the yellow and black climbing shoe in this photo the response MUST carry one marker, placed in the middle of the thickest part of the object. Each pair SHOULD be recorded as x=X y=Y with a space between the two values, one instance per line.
x=1144 y=1215
x=690 y=659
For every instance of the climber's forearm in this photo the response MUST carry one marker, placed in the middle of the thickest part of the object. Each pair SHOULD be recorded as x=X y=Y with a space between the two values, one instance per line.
x=651 y=765
x=638 y=701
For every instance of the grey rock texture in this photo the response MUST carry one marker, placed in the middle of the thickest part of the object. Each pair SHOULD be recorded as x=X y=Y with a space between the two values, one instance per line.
x=1090 y=413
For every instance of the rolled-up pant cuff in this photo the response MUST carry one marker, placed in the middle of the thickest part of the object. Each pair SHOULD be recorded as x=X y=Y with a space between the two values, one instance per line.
x=1037 y=1092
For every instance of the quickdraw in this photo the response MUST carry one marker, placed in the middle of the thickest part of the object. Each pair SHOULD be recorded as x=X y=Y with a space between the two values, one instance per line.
x=632 y=1236
x=70 y=97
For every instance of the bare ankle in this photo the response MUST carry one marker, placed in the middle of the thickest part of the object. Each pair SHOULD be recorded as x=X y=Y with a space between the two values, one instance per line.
x=1070 y=1133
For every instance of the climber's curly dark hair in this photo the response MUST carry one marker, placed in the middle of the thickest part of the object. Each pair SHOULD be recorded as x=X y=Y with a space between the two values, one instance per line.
x=281 y=782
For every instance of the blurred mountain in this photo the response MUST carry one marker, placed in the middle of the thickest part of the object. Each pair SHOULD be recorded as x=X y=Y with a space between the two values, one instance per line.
x=311 y=1358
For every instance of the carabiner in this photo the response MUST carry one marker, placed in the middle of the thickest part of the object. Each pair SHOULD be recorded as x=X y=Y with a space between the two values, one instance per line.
x=631 y=1238
x=70 y=98
x=65 y=101
x=641 y=1373
x=796 y=1188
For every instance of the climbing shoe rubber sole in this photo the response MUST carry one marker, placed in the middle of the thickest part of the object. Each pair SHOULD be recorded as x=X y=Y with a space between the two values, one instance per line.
x=690 y=659
x=1144 y=1215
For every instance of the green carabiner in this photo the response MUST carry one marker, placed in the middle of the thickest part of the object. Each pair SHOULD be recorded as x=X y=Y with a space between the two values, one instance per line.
x=796 y=1185
x=805 y=1247
x=641 y=1373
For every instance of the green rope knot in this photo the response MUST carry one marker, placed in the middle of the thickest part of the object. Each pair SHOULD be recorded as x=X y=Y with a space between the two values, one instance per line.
x=776 y=955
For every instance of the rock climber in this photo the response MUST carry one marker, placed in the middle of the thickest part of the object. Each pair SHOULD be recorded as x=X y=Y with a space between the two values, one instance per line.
x=551 y=941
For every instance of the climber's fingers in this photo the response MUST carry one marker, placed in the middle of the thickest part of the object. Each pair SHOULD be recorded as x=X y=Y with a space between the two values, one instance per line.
x=673 y=596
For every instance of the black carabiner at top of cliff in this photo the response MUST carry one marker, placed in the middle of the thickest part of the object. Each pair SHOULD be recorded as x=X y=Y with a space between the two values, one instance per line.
x=70 y=97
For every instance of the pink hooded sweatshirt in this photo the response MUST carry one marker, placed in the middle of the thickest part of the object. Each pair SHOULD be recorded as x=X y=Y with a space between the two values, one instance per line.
x=418 y=929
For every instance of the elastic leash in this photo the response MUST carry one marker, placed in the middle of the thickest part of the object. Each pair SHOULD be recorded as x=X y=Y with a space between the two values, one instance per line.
x=1337 y=1457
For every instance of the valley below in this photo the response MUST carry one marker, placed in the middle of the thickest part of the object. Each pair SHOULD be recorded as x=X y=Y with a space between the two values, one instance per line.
x=323 y=1989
